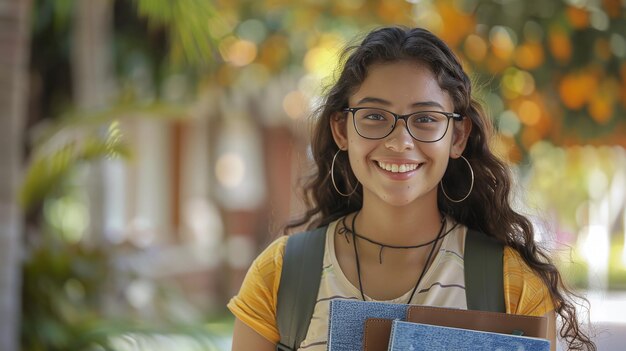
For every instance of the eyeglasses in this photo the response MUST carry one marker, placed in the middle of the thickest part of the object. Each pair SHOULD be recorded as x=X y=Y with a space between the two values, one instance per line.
x=424 y=126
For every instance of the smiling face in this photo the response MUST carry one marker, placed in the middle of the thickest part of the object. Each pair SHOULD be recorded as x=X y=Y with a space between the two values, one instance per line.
x=398 y=169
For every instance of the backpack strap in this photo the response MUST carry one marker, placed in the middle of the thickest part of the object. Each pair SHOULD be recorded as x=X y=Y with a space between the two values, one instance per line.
x=484 y=282
x=299 y=285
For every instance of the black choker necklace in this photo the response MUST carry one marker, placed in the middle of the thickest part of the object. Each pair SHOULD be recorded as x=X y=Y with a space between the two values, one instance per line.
x=355 y=235
x=344 y=230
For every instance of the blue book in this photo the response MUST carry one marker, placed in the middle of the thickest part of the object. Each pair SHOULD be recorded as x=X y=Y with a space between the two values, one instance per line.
x=347 y=318
x=424 y=337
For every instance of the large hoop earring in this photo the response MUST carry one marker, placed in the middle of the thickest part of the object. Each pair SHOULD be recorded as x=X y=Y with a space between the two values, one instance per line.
x=471 y=185
x=332 y=177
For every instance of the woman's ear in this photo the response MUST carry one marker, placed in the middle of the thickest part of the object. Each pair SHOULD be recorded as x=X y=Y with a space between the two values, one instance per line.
x=460 y=133
x=339 y=127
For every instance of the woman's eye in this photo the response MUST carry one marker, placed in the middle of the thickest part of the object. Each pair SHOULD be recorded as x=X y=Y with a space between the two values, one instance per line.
x=375 y=117
x=424 y=119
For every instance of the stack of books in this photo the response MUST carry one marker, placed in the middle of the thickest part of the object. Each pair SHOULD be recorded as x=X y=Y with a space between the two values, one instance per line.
x=378 y=326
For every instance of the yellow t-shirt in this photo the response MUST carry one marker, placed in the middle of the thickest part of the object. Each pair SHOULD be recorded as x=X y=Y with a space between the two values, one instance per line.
x=443 y=285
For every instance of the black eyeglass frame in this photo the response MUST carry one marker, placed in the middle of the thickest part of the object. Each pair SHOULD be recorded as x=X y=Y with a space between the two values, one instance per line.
x=457 y=117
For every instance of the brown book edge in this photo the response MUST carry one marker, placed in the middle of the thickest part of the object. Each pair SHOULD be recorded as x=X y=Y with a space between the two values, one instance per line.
x=377 y=334
x=535 y=326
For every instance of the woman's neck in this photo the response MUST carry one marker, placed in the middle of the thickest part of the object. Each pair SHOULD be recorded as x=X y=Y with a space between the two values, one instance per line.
x=384 y=226
x=412 y=224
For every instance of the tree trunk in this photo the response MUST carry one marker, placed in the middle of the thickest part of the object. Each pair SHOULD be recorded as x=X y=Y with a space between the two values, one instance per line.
x=14 y=57
x=92 y=60
x=93 y=85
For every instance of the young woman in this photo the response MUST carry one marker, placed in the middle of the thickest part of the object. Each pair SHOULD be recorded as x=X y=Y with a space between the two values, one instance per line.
x=403 y=170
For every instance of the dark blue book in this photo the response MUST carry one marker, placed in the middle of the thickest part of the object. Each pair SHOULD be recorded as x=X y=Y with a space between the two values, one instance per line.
x=423 y=337
x=347 y=318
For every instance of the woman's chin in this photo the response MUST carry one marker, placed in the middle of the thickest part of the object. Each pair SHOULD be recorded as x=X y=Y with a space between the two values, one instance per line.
x=401 y=198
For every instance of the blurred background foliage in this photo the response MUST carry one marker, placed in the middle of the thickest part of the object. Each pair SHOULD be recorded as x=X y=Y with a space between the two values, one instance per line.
x=552 y=75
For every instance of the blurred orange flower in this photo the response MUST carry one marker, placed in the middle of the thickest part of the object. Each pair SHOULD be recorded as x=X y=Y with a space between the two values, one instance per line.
x=613 y=8
x=502 y=44
x=601 y=108
x=575 y=89
x=475 y=48
x=458 y=24
x=602 y=104
x=560 y=44
x=578 y=17
x=534 y=114
x=496 y=65
x=529 y=55
x=529 y=137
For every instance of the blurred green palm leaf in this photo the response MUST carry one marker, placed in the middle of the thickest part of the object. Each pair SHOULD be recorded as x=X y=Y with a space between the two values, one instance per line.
x=51 y=164
x=188 y=25
x=185 y=22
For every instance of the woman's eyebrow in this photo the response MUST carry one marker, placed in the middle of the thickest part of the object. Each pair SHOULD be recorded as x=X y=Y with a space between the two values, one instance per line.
x=427 y=104
x=380 y=101
x=375 y=100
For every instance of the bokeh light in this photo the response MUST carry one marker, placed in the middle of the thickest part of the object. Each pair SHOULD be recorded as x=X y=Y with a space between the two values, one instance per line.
x=230 y=170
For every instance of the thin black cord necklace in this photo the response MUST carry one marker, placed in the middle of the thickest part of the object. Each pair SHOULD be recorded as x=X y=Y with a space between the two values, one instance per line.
x=432 y=250
x=345 y=229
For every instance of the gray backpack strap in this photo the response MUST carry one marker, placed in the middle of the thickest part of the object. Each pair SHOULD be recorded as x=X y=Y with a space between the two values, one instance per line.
x=484 y=282
x=299 y=284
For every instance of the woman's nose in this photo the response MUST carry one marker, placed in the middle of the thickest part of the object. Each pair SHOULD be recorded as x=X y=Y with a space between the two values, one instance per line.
x=400 y=139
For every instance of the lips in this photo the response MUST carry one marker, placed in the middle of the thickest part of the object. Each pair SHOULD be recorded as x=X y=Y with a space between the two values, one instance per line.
x=397 y=167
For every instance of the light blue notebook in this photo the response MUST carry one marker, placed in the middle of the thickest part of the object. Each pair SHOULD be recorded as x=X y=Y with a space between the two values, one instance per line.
x=424 y=337
x=347 y=321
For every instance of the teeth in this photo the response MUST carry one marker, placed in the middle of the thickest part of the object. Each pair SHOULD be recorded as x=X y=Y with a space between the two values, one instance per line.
x=396 y=168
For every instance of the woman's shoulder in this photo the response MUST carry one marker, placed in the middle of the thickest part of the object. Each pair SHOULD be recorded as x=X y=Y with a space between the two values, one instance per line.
x=275 y=250
x=524 y=290
x=270 y=262
x=263 y=276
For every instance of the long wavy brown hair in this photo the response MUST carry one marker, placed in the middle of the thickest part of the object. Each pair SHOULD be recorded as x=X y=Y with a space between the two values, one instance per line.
x=487 y=208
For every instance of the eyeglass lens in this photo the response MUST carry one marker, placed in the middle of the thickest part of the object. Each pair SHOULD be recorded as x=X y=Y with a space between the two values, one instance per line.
x=423 y=126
